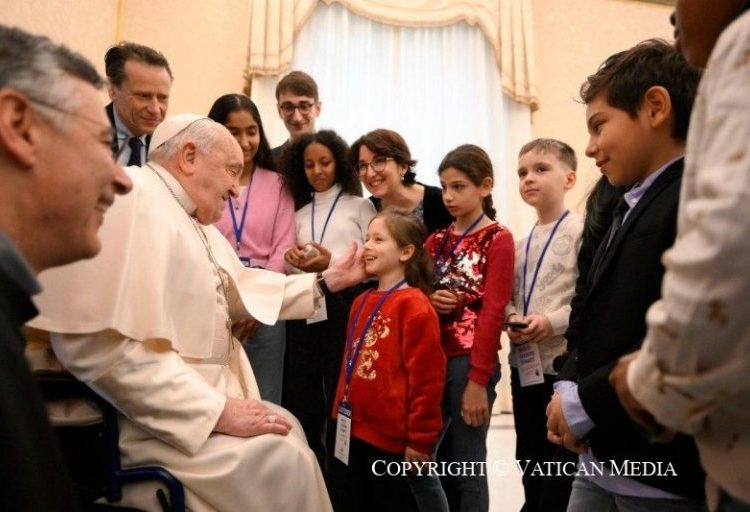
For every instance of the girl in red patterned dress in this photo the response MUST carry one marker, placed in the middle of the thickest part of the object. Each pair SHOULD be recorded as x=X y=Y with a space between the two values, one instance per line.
x=391 y=384
x=473 y=279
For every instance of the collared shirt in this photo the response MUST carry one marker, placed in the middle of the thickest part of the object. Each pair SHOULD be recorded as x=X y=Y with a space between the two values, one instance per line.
x=638 y=190
x=575 y=415
x=123 y=134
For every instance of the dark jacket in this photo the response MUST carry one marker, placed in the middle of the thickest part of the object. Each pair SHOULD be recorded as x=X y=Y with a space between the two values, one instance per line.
x=33 y=475
x=436 y=216
x=624 y=280
x=110 y=109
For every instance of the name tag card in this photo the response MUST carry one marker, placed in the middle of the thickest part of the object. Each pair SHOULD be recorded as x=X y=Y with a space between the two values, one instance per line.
x=321 y=313
x=343 y=433
x=530 y=370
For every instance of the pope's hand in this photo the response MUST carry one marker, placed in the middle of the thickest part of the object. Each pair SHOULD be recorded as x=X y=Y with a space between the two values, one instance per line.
x=247 y=418
x=347 y=271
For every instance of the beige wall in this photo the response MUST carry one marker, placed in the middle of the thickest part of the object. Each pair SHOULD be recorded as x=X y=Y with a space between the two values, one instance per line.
x=571 y=38
x=206 y=42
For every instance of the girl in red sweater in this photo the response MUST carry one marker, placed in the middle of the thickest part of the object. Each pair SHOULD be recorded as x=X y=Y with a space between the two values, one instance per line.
x=391 y=383
x=473 y=279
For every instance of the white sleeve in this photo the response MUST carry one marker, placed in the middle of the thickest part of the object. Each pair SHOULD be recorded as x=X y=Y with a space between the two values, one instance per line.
x=145 y=381
x=300 y=299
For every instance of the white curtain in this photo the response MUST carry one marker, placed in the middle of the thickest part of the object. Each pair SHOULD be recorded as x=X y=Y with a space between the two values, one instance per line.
x=437 y=87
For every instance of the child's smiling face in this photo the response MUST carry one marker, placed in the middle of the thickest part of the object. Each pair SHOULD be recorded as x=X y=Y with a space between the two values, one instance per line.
x=382 y=254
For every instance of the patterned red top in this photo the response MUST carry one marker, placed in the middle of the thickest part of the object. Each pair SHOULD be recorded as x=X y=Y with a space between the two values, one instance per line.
x=480 y=272
x=398 y=377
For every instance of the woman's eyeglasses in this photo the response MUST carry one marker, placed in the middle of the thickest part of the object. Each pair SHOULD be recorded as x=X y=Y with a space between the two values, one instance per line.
x=377 y=164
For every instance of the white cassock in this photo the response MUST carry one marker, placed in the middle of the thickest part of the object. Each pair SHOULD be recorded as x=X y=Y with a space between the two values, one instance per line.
x=145 y=325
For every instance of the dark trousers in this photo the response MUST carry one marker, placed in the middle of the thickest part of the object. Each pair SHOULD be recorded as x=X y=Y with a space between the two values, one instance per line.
x=468 y=492
x=362 y=487
x=313 y=362
x=543 y=493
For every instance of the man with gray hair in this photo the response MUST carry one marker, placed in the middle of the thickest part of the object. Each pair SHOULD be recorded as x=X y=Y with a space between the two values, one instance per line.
x=58 y=179
x=148 y=325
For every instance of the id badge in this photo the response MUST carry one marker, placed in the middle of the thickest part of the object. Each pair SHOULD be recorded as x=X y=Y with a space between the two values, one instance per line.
x=343 y=432
x=530 y=370
x=321 y=313
x=245 y=261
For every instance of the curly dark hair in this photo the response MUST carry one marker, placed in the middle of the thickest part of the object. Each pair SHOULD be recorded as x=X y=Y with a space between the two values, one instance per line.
x=292 y=166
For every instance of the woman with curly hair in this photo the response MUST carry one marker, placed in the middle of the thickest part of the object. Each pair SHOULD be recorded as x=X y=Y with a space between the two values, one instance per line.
x=331 y=214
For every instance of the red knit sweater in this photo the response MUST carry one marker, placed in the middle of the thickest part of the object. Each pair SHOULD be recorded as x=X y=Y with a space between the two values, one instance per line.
x=398 y=378
x=480 y=271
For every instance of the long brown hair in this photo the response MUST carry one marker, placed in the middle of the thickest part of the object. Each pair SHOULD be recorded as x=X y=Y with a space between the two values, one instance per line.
x=406 y=230
x=475 y=163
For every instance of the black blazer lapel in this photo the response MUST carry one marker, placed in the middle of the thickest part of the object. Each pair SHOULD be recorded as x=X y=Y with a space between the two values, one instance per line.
x=604 y=255
x=110 y=109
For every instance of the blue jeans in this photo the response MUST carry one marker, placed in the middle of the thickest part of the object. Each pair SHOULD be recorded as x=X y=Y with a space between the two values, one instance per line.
x=265 y=349
x=589 y=497
x=731 y=504
x=467 y=492
x=428 y=493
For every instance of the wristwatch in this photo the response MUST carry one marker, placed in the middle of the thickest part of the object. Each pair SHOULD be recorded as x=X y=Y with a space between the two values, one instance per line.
x=321 y=282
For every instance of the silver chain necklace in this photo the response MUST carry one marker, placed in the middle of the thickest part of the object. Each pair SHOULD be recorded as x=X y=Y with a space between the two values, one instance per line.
x=204 y=240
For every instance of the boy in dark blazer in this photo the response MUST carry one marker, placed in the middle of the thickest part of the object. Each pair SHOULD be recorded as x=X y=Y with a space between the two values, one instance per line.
x=637 y=110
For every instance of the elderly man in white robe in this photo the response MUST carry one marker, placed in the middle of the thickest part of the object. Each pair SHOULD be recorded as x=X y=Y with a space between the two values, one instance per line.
x=148 y=325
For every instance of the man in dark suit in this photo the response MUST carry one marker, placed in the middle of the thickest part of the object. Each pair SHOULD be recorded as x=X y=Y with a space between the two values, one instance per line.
x=139 y=84
x=637 y=109
x=58 y=179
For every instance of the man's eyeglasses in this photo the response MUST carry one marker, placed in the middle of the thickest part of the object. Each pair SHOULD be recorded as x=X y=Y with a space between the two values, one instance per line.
x=288 y=108
x=377 y=164
x=105 y=128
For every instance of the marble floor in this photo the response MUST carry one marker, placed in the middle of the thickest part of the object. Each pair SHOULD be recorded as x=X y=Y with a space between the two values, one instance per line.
x=506 y=491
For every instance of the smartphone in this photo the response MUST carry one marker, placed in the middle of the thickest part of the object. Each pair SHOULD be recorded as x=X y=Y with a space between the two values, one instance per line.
x=516 y=326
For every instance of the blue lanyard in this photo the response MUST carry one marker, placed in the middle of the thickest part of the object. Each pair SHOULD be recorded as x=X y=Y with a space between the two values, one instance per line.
x=352 y=349
x=527 y=298
x=438 y=254
x=239 y=229
x=330 y=212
